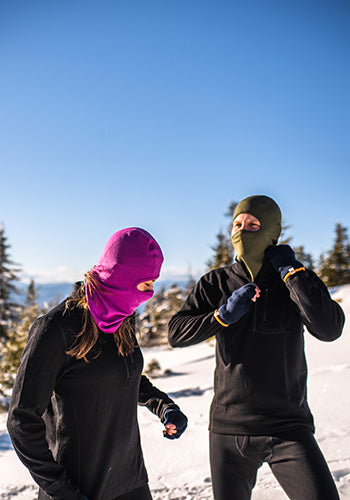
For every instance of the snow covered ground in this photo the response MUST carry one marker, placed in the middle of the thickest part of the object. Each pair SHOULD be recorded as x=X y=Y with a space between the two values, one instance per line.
x=179 y=470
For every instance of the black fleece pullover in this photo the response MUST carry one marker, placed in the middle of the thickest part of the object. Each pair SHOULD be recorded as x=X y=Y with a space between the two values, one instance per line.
x=74 y=424
x=261 y=373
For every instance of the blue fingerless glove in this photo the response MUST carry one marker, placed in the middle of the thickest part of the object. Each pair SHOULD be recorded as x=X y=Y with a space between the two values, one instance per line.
x=177 y=418
x=282 y=258
x=238 y=304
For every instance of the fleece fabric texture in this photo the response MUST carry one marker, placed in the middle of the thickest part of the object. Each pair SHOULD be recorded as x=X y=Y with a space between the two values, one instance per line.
x=261 y=373
x=74 y=424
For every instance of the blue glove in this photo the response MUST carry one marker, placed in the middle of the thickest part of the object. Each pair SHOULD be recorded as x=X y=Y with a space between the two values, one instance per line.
x=238 y=304
x=282 y=258
x=177 y=418
x=83 y=497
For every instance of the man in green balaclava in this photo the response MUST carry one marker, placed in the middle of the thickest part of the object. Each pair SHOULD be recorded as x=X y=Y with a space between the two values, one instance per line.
x=250 y=244
x=257 y=309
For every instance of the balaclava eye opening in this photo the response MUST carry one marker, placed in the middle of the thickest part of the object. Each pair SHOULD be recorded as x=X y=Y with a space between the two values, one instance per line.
x=130 y=256
x=251 y=245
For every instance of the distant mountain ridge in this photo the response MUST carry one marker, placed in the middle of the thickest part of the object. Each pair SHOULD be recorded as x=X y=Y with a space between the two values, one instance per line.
x=53 y=293
x=47 y=293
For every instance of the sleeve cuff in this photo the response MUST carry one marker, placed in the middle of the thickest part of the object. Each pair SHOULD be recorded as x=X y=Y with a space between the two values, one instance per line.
x=218 y=319
x=292 y=270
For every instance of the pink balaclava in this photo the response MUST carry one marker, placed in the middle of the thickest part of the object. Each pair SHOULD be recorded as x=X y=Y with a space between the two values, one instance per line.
x=129 y=257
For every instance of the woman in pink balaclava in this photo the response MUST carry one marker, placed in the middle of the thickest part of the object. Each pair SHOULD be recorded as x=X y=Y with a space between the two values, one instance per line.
x=73 y=414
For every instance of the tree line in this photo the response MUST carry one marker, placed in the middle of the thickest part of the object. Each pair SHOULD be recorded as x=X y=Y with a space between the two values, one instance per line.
x=333 y=267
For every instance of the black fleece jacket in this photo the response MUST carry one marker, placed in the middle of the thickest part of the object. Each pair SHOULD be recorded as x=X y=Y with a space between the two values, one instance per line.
x=74 y=424
x=261 y=373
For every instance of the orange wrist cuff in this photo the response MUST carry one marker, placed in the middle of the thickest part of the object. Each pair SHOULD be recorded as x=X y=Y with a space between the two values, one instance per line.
x=292 y=271
x=218 y=319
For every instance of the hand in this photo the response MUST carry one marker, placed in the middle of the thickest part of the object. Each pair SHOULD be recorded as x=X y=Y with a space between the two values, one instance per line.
x=238 y=303
x=83 y=497
x=175 y=423
x=282 y=258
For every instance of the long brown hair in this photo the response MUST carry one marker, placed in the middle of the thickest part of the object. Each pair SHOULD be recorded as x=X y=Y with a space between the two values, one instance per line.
x=89 y=334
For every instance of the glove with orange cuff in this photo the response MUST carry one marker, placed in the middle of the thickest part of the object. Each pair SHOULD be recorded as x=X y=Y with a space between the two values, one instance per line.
x=282 y=258
x=237 y=305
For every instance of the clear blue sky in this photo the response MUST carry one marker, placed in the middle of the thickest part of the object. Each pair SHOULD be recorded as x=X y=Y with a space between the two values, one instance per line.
x=158 y=113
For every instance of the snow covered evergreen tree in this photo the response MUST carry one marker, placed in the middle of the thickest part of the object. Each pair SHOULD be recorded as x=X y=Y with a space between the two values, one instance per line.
x=13 y=345
x=334 y=268
x=9 y=309
x=152 y=324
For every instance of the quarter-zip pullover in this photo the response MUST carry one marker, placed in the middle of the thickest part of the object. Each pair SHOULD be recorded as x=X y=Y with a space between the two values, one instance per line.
x=261 y=372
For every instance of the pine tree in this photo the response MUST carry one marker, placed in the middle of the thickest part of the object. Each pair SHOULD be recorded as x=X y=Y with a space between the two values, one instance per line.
x=334 y=268
x=31 y=297
x=148 y=322
x=153 y=322
x=9 y=309
x=304 y=257
x=283 y=239
x=191 y=282
x=13 y=346
x=223 y=250
x=229 y=212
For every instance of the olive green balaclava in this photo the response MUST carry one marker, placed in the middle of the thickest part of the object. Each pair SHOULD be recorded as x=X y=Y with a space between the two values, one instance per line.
x=251 y=245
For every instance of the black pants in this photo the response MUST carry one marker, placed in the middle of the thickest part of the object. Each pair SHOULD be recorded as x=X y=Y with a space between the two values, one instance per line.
x=294 y=458
x=142 y=493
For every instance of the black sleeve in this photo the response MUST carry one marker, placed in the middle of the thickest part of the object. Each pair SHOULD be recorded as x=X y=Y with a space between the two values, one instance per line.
x=154 y=399
x=42 y=363
x=321 y=315
x=195 y=322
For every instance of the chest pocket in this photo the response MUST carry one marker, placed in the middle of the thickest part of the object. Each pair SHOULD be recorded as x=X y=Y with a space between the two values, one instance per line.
x=274 y=312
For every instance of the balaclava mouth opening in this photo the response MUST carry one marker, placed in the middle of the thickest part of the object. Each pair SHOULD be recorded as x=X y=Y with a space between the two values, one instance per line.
x=130 y=256
x=251 y=245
